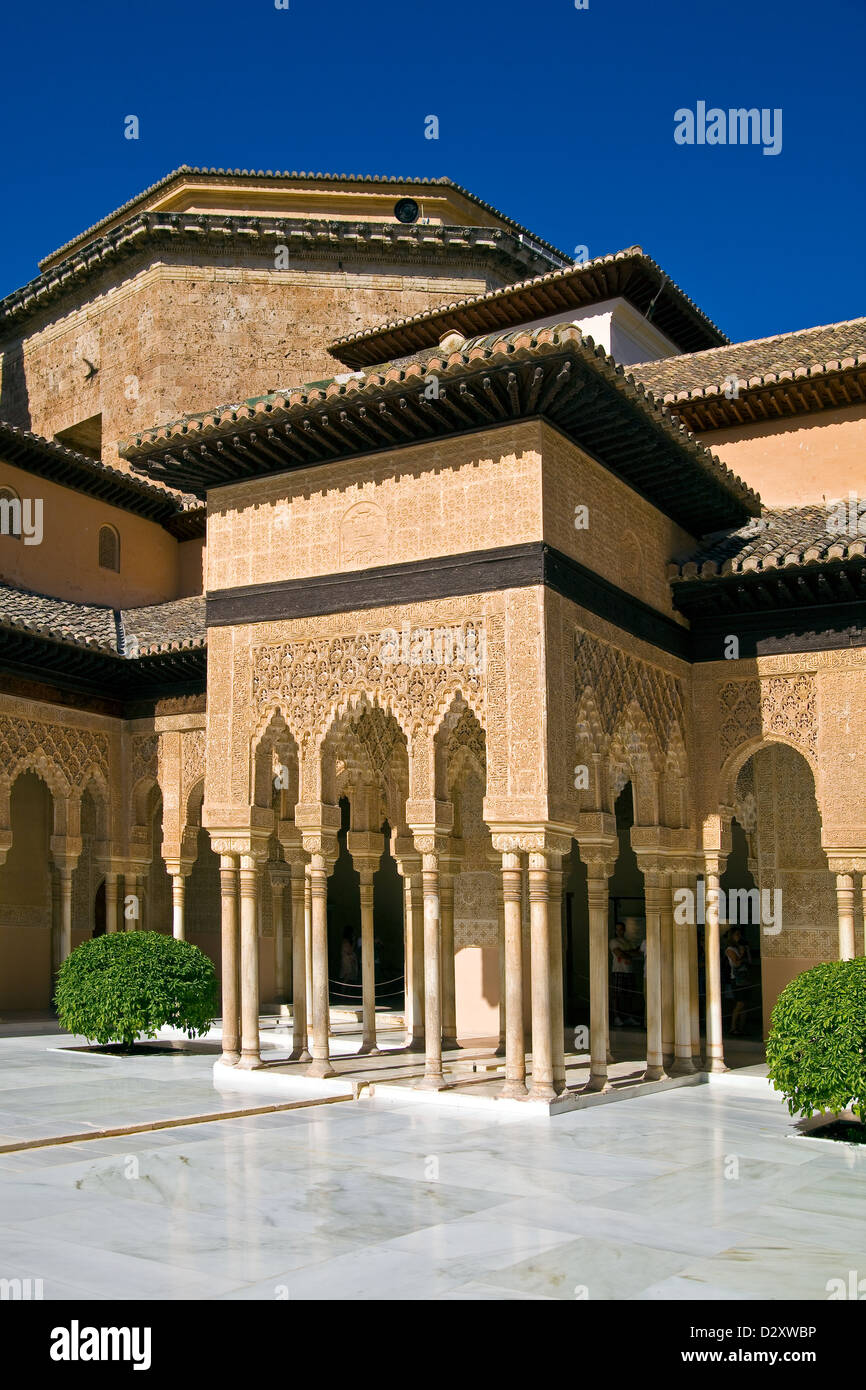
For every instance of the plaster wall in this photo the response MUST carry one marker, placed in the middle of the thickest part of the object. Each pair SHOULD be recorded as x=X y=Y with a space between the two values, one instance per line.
x=66 y=563
x=798 y=461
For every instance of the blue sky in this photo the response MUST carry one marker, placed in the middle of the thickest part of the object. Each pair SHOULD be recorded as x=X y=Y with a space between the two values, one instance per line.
x=562 y=118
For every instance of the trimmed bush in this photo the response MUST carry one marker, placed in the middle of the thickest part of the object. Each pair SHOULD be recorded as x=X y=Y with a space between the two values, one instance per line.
x=121 y=986
x=816 y=1051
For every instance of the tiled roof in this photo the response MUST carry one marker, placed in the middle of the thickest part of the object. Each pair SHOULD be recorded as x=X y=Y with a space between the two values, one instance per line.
x=502 y=250
x=759 y=362
x=557 y=373
x=163 y=627
x=178 y=512
x=299 y=177
x=777 y=539
x=630 y=272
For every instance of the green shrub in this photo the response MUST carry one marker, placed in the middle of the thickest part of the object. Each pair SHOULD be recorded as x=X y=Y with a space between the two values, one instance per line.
x=816 y=1051
x=117 y=987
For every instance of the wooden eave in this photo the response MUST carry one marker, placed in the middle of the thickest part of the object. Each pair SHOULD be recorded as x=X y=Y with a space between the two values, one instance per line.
x=553 y=376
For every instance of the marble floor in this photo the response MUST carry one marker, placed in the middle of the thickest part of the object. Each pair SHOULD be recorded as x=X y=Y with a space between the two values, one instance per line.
x=700 y=1193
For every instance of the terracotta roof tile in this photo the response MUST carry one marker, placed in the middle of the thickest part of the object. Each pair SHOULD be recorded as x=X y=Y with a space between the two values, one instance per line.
x=777 y=539
x=761 y=361
x=173 y=626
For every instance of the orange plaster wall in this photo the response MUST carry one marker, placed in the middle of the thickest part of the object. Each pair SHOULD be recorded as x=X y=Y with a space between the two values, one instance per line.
x=476 y=975
x=801 y=460
x=66 y=563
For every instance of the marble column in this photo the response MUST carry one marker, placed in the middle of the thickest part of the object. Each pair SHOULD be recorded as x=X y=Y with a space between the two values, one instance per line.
x=65 y=872
x=308 y=945
x=282 y=942
x=654 y=886
x=598 y=873
x=300 y=1052
x=500 y=918
x=230 y=959
x=667 y=967
x=321 y=1050
x=449 y=981
x=249 y=885
x=683 y=930
x=845 y=913
x=712 y=943
x=368 y=964
x=366 y=848
x=515 y=1041
x=430 y=851
x=557 y=1001
x=694 y=997
x=542 y=1014
x=178 y=887
x=111 y=887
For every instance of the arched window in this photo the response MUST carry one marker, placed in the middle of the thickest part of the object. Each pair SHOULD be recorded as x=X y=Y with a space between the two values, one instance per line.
x=10 y=513
x=109 y=548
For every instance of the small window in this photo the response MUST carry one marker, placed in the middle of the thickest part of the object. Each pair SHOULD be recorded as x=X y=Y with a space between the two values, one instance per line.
x=109 y=548
x=10 y=513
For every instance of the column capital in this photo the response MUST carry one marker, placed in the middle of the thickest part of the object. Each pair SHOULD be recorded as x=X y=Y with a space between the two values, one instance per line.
x=178 y=868
x=846 y=861
x=364 y=845
x=430 y=818
x=66 y=850
x=250 y=843
x=526 y=837
x=714 y=862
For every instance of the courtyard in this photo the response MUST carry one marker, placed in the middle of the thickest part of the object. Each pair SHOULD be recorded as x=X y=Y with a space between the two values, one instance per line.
x=701 y=1193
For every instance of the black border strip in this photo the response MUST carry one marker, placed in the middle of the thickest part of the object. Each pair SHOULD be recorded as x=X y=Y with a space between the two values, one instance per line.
x=448 y=576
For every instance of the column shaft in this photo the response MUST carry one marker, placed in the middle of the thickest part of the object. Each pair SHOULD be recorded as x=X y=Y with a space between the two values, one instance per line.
x=515 y=1044
x=280 y=977
x=300 y=1052
x=111 y=902
x=368 y=963
x=433 y=1076
x=65 y=913
x=597 y=894
x=250 y=1053
x=230 y=959
x=539 y=919
x=653 y=898
x=321 y=1063
x=557 y=1013
x=178 y=885
x=683 y=930
x=449 y=983
x=845 y=912
x=712 y=943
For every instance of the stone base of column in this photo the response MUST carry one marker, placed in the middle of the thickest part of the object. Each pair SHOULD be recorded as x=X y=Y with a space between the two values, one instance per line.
x=320 y=1067
x=301 y=1054
x=416 y=1045
x=431 y=1083
x=513 y=1090
x=715 y=1064
x=250 y=1061
x=450 y=1045
x=598 y=1084
x=682 y=1066
x=368 y=1049
x=654 y=1074
x=500 y=1051
x=543 y=1093
x=230 y=1059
